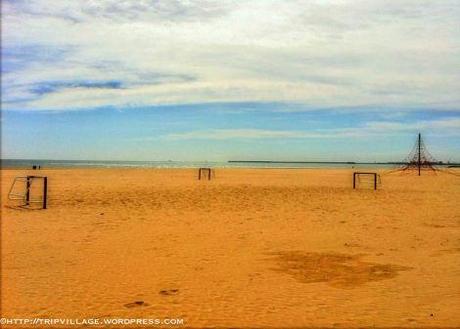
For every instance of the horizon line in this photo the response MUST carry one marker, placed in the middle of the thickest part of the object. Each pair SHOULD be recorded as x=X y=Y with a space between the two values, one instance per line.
x=441 y=163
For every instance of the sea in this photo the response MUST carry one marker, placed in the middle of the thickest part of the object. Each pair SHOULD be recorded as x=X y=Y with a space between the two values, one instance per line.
x=28 y=163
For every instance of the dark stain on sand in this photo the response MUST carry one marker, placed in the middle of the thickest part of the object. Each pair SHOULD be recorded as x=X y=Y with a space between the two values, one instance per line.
x=335 y=269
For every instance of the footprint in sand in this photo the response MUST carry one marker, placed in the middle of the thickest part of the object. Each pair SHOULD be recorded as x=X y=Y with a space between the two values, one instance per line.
x=169 y=292
x=137 y=303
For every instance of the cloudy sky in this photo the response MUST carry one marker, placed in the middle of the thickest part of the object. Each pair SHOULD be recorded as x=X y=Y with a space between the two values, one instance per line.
x=219 y=80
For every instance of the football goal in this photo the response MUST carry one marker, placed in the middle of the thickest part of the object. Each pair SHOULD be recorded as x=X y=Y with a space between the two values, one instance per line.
x=366 y=180
x=29 y=191
x=206 y=173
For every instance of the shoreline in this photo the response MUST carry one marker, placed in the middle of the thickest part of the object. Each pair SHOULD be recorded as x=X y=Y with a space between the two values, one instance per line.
x=9 y=164
x=190 y=168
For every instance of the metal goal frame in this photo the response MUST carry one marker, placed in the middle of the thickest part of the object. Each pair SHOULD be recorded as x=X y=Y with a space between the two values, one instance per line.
x=27 y=197
x=356 y=174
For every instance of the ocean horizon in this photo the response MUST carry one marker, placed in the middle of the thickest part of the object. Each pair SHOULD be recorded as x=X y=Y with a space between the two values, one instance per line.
x=48 y=163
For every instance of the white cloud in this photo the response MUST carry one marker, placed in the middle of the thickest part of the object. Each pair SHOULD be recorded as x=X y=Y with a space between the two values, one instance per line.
x=444 y=127
x=400 y=54
x=448 y=125
x=222 y=134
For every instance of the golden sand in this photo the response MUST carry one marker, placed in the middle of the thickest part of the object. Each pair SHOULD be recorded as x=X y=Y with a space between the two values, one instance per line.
x=250 y=248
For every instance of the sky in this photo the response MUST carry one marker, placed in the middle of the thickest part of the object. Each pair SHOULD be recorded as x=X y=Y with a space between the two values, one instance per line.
x=193 y=80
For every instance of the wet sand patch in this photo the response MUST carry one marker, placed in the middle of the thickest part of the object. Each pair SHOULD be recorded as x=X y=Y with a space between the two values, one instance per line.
x=335 y=269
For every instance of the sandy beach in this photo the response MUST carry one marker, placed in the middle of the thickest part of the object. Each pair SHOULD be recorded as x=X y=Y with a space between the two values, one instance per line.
x=251 y=248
